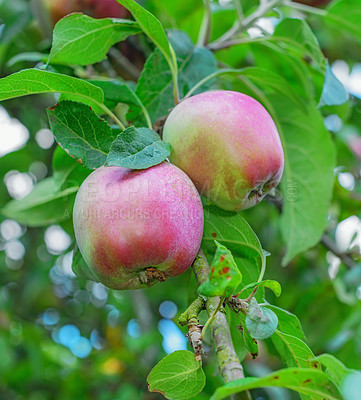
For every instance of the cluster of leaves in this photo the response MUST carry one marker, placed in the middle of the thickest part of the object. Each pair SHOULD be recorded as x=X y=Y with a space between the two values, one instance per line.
x=177 y=69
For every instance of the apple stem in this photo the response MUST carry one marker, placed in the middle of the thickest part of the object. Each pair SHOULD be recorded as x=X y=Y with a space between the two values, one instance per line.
x=112 y=115
x=174 y=70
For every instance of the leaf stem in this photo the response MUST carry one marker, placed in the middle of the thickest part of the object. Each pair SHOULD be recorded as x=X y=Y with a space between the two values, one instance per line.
x=208 y=78
x=205 y=29
x=248 y=299
x=210 y=319
x=146 y=115
x=112 y=115
x=174 y=70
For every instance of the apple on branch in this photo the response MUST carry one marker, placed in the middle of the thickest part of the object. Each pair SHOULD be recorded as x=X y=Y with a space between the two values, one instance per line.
x=135 y=228
x=228 y=144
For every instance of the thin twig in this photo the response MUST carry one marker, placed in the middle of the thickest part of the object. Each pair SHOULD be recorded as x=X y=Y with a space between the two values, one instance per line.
x=239 y=10
x=205 y=30
x=228 y=362
x=241 y=26
x=124 y=63
x=331 y=245
x=211 y=318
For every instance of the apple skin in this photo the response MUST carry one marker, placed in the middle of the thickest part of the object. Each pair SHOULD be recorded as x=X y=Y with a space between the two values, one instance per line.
x=58 y=9
x=313 y=3
x=228 y=144
x=135 y=228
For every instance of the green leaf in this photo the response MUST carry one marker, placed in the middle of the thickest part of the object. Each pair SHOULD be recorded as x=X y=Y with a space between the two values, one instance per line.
x=137 y=148
x=303 y=380
x=80 y=132
x=224 y=275
x=119 y=92
x=114 y=92
x=350 y=387
x=334 y=367
x=299 y=38
x=261 y=322
x=80 y=268
x=273 y=285
x=294 y=352
x=308 y=177
x=66 y=171
x=45 y=205
x=333 y=92
x=81 y=40
x=345 y=15
x=154 y=87
x=36 y=81
x=268 y=79
x=288 y=58
x=287 y=322
x=178 y=376
x=250 y=343
x=149 y=24
x=262 y=77
x=232 y=230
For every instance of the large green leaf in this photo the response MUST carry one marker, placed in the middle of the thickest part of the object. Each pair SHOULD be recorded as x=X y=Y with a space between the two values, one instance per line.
x=298 y=37
x=115 y=91
x=264 y=78
x=271 y=80
x=178 y=376
x=346 y=15
x=293 y=52
x=155 y=85
x=45 y=205
x=294 y=352
x=232 y=230
x=79 y=131
x=150 y=25
x=81 y=40
x=66 y=171
x=137 y=148
x=334 y=367
x=308 y=177
x=36 y=81
x=303 y=380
